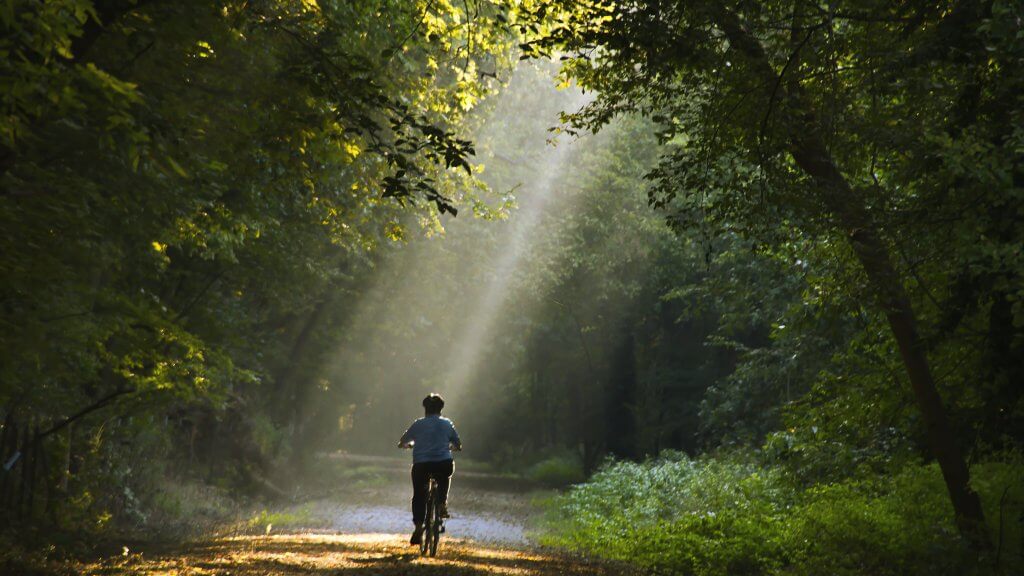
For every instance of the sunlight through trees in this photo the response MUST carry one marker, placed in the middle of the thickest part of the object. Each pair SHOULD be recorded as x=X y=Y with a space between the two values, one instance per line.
x=740 y=282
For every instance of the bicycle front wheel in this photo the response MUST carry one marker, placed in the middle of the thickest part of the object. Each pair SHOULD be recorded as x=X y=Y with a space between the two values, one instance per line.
x=428 y=521
x=435 y=530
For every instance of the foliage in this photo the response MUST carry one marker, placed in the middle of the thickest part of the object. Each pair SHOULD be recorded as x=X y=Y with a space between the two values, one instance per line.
x=844 y=126
x=227 y=242
x=188 y=192
x=728 y=514
x=557 y=471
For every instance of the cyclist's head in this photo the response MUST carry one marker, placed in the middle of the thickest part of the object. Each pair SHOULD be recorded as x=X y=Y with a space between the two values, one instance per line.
x=433 y=403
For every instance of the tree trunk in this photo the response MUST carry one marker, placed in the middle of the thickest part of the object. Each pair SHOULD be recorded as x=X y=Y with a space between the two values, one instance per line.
x=811 y=154
x=285 y=394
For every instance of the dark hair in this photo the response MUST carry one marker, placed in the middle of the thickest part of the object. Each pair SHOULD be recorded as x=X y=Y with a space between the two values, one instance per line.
x=433 y=403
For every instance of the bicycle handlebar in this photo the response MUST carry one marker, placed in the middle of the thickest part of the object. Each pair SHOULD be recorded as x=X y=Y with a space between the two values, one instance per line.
x=409 y=445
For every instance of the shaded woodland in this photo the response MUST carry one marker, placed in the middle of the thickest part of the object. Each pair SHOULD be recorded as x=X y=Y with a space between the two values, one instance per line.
x=747 y=275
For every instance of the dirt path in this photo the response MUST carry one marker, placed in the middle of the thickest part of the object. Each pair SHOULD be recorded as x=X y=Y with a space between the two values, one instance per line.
x=361 y=527
x=481 y=527
x=485 y=508
x=343 y=555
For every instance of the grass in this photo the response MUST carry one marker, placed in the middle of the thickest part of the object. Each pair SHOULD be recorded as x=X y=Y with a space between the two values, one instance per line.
x=265 y=522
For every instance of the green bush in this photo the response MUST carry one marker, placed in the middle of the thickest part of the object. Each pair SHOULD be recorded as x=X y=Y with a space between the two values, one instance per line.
x=560 y=470
x=892 y=526
x=183 y=507
x=731 y=515
x=905 y=524
x=1001 y=486
x=710 y=516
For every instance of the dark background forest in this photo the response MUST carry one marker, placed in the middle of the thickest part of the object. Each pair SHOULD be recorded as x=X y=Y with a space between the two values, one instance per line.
x=748 y=275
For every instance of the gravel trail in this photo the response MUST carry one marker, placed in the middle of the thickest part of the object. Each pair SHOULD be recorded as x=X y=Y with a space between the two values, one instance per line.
x=357 y=519
x=360 y=527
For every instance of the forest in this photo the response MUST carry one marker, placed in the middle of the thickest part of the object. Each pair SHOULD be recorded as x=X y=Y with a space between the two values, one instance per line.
x=722 y=287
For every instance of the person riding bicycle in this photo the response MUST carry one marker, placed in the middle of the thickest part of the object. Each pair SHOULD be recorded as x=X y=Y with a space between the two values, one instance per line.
x=432 y=439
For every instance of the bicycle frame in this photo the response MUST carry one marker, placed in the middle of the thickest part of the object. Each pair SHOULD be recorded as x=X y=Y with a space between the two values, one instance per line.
x=433 y=523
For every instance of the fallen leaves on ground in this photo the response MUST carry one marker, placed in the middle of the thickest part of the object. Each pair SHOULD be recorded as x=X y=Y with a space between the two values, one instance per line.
x=341 y=555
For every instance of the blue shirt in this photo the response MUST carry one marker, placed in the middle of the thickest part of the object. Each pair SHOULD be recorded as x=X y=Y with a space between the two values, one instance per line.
x=431 y=436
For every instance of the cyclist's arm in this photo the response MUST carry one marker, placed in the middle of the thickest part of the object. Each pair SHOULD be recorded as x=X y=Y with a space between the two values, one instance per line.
x=454 y=440
x=406 y=440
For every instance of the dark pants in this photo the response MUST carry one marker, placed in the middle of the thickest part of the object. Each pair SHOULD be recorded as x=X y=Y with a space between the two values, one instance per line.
x=421 y=473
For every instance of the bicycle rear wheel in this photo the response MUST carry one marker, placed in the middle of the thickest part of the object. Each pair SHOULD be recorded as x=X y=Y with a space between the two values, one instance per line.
x=435 y=534
x=428 y=520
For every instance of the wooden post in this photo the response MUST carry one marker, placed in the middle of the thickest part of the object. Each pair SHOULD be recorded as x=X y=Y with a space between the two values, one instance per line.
x=65 y=473
x=26 y=445
x=45 y=482
x=34 y=453
x=10 y=480
x=5 y=436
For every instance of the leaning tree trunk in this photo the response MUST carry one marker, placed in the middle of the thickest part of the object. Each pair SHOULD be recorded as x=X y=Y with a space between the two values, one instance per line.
x=811 y=155
x=808 y=149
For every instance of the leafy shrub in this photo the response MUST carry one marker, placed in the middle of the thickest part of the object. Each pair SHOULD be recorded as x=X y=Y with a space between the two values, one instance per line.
x=1000 y=482
x=710 y=516
x=188 y=507
x=731 y=515
x=559 y=470
x=888 y=526
x=904 y=524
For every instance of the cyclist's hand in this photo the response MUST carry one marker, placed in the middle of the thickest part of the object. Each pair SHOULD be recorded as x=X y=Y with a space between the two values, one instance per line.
x=457 y=447
x=405 y=444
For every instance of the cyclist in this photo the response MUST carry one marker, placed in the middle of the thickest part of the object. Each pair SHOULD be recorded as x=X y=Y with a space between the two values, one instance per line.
x=432 y=439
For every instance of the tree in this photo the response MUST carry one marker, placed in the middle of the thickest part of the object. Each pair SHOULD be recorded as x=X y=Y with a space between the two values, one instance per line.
x=187 y=190
x=816 y=115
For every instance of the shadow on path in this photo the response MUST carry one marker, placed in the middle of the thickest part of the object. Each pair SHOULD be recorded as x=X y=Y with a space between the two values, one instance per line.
x=341 y=555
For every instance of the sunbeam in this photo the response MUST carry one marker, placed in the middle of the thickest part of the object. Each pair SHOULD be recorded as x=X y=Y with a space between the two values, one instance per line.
x=539 y=195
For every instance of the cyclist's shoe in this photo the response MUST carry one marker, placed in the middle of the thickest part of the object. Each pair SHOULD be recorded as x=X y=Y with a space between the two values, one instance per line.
x=444 y=510
x=417 y=536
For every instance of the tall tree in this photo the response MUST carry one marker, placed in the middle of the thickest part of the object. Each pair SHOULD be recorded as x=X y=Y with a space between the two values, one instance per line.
x=183 y=185
x=816 y=114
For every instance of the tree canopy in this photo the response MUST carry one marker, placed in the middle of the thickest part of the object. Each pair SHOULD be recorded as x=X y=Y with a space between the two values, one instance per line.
x=769 y=250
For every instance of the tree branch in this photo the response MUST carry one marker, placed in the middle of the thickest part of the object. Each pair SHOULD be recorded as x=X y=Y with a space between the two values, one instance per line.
x=102 y=402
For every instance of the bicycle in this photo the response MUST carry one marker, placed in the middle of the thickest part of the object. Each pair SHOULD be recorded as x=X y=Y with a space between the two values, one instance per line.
x=433 y=523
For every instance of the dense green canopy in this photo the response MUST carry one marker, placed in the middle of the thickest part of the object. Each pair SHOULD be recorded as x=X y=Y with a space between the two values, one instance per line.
x=782 y=238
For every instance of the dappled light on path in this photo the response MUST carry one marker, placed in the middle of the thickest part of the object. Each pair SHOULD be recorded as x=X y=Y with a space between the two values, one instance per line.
x=339 y=554
x=478 y=525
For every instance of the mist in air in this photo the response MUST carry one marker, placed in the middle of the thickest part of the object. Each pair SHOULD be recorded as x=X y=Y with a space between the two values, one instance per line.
x=455 y=312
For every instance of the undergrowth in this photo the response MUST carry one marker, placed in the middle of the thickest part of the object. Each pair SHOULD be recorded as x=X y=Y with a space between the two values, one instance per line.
x=731 y=515
x=557 y=470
